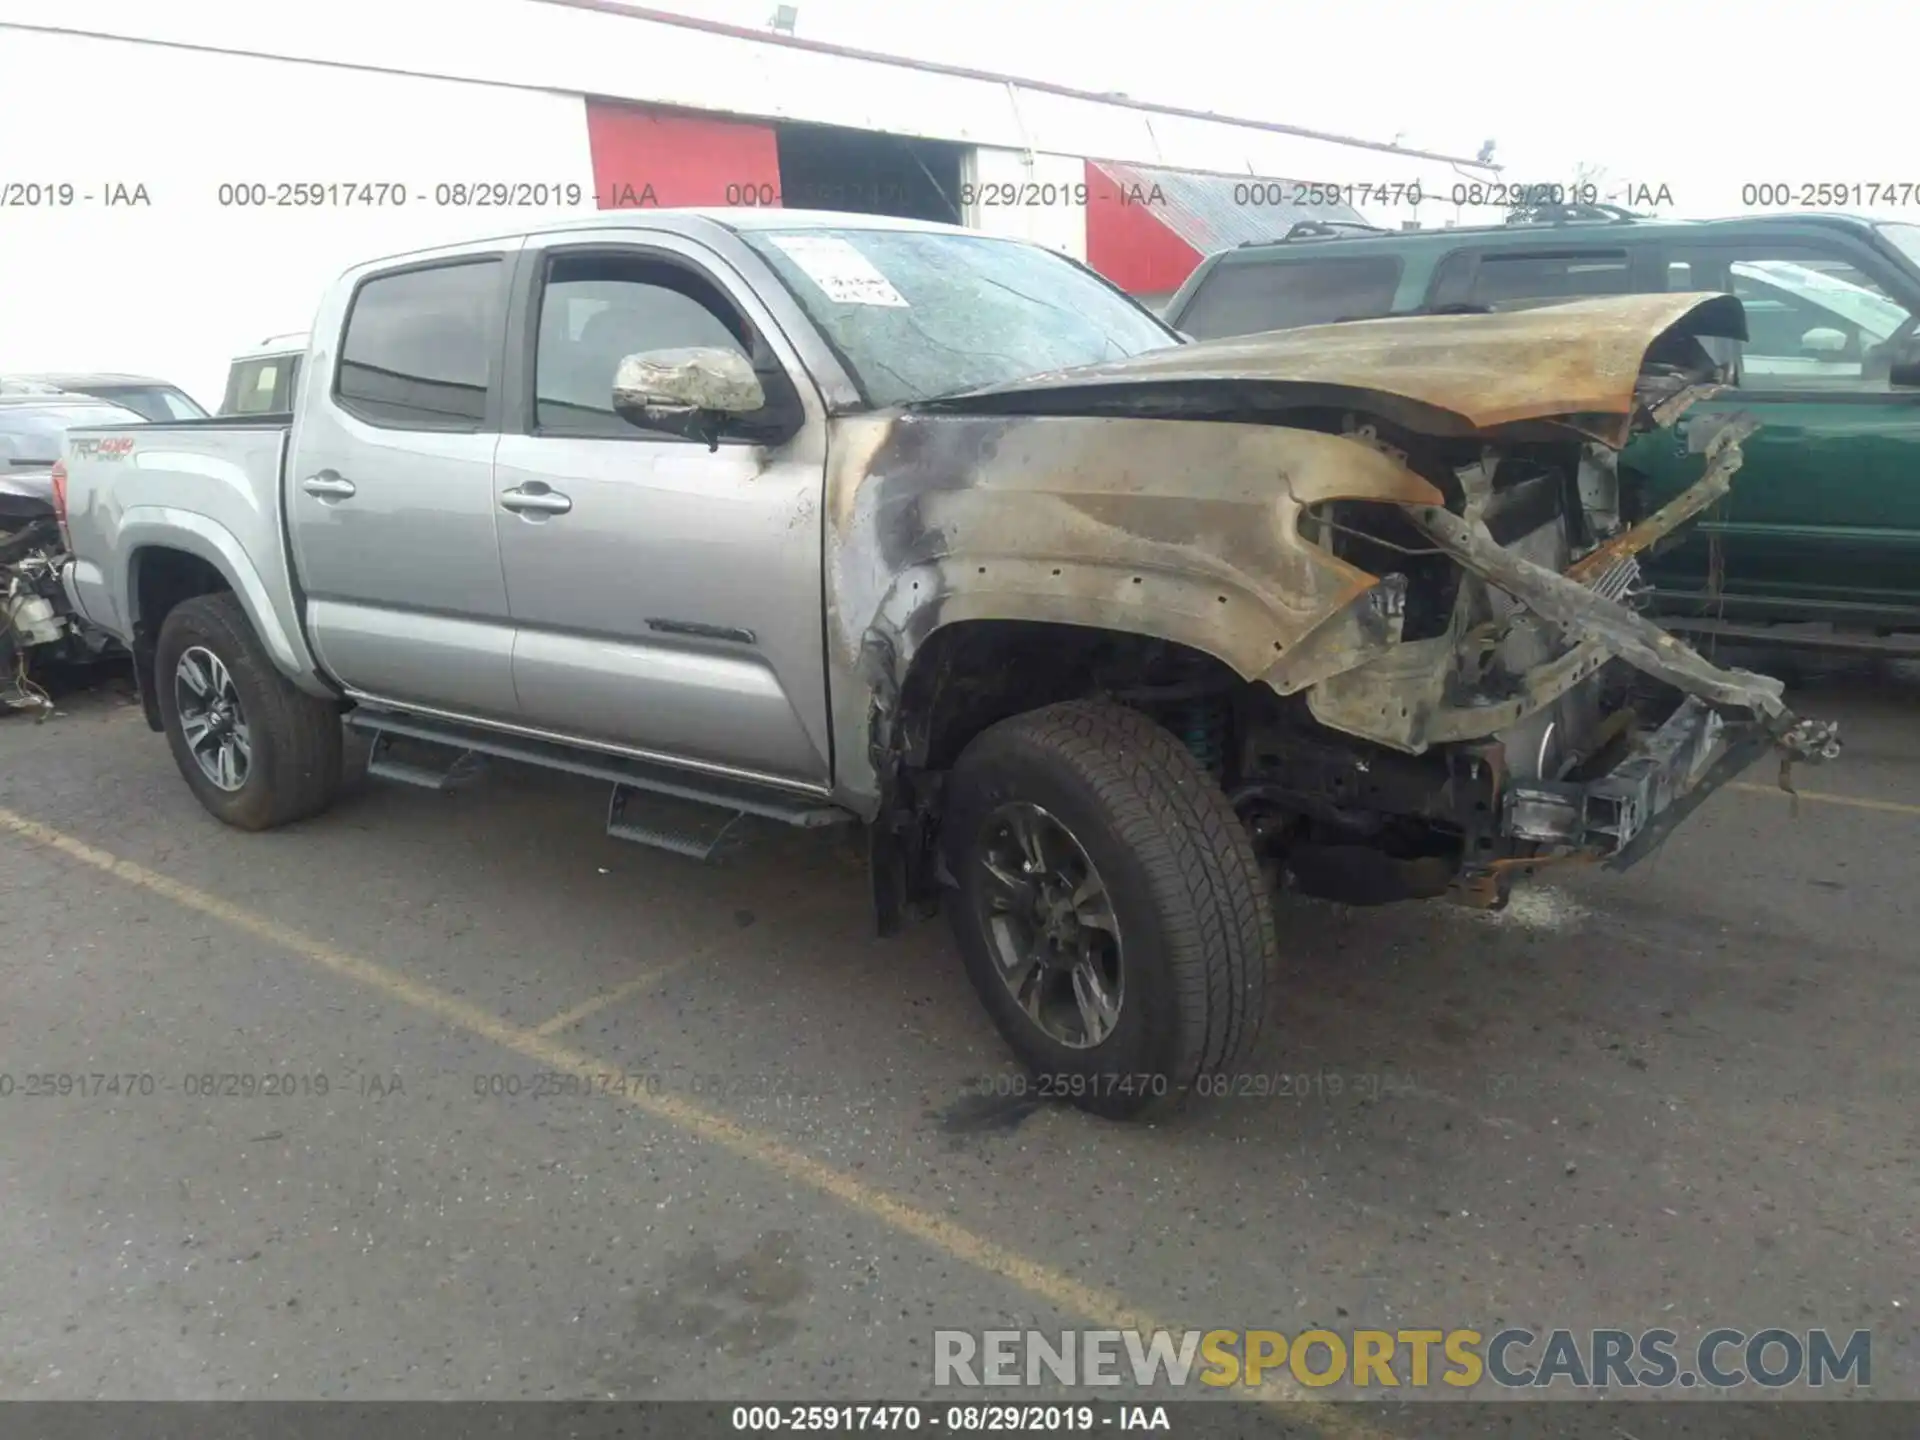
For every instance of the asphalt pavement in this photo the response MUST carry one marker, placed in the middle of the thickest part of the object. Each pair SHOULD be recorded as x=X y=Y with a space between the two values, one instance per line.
x=445 y=1096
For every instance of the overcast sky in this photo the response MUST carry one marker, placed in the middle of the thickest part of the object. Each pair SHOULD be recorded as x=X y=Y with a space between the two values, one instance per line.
x=1700 y=96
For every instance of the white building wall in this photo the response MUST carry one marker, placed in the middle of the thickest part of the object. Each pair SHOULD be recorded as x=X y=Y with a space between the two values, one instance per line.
x=185 y=97
x=550 y=46
x=1036 y=197
x=175 y=288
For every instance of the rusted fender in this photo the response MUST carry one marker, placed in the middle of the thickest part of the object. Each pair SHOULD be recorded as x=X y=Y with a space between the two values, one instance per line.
x=1184 y=531
x=1576 y=362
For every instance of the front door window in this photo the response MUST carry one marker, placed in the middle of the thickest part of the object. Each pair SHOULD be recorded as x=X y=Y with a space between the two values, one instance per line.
x=1814 y=321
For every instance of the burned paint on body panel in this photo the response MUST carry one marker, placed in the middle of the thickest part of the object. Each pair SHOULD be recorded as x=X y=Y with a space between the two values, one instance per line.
x=1047 y=502
x=1179 y=531
x=1185 y=531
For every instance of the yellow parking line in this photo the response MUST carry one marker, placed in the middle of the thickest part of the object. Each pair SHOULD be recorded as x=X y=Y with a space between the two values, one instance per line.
x=642 y=982
x=1825 y=797
x=614 y=996
x=1104 y=1308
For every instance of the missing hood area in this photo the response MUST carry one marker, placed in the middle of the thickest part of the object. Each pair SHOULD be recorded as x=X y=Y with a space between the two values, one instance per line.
x=1383 y=576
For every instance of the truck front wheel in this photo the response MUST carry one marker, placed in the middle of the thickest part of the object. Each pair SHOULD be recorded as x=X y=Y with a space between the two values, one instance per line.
x=1110 y=909
x=257 y=751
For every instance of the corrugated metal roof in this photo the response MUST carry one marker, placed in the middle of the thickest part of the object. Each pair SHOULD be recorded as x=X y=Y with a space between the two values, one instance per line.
x=1213 y=212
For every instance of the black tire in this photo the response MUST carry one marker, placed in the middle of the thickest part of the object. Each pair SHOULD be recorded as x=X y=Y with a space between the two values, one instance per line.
x=295 y=738
x=1198 y=945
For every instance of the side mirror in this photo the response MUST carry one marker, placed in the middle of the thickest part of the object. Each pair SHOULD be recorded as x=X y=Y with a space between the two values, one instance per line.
x=1824 y=340
x=701 y=393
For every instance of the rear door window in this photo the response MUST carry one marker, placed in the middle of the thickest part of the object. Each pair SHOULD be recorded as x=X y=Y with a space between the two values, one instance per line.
x=1248 y=296
x=419 y=346
x=261 y=387
x=1521 y=278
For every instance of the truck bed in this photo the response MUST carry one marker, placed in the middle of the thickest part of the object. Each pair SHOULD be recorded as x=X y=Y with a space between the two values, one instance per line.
x=194 y=490
x=265 y=420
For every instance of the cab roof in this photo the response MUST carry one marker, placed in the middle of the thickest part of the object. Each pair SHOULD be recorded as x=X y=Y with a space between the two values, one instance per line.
x=1545 y=232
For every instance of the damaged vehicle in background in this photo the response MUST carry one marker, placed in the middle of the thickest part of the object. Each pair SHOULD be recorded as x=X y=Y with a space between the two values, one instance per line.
x=147 y=397
x=1105 y=639
x=37 y=623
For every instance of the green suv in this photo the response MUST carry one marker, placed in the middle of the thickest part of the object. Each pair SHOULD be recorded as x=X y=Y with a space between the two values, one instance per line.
x=1823 y=524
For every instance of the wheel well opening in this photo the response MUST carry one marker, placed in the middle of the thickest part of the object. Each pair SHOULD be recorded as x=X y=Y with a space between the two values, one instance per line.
x=164 y=578
x=975 y=673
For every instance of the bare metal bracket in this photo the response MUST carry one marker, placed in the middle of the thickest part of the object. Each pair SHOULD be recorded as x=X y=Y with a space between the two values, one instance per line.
x=1583 y=614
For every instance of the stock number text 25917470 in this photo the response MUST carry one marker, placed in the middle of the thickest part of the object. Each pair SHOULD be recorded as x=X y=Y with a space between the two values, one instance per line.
x=1829 y=194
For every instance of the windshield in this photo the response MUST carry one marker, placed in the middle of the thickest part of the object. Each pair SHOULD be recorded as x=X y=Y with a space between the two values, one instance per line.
x=917 y=313
x=1873 y=313
x=1905 y=239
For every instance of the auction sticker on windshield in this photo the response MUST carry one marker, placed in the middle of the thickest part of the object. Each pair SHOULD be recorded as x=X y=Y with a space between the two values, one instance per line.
x=847 y=276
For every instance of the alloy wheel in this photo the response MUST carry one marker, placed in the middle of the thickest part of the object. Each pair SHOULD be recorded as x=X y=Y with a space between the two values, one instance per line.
x=1050 y=922
x=211 y=718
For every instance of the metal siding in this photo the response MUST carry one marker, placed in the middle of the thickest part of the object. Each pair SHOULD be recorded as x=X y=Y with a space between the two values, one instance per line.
x=1211 y=212
x=630 y=57
x=1131 y=243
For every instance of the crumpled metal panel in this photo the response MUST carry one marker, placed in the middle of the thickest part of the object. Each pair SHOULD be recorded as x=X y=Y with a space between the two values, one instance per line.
x=1160 y=496
x=1184 y=531
x=1577 y=363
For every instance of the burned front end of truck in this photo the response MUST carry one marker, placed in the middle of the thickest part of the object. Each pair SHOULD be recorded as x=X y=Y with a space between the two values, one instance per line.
x=1381 y=577
x=1506 y=705
x=1502 y=704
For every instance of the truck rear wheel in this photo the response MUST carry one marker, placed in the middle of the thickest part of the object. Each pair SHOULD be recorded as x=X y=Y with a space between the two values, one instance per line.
x=257 y=751
x=1110 y=909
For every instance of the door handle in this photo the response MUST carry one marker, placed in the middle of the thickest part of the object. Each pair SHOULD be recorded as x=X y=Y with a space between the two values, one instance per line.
x=534 y=499
x=328 y=485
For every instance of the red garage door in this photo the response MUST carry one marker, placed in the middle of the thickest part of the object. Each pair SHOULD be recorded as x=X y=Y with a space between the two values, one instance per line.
x=649 y=157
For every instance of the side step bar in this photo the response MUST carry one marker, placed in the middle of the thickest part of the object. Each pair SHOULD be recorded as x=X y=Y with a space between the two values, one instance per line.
x=708 y=807
x=381 y=763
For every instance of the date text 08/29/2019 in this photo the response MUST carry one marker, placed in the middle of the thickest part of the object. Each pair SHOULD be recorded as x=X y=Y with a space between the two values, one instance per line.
x=1054 y=1419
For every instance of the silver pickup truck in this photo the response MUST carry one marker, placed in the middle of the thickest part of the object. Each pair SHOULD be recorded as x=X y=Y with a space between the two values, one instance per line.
x=1104 y=638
